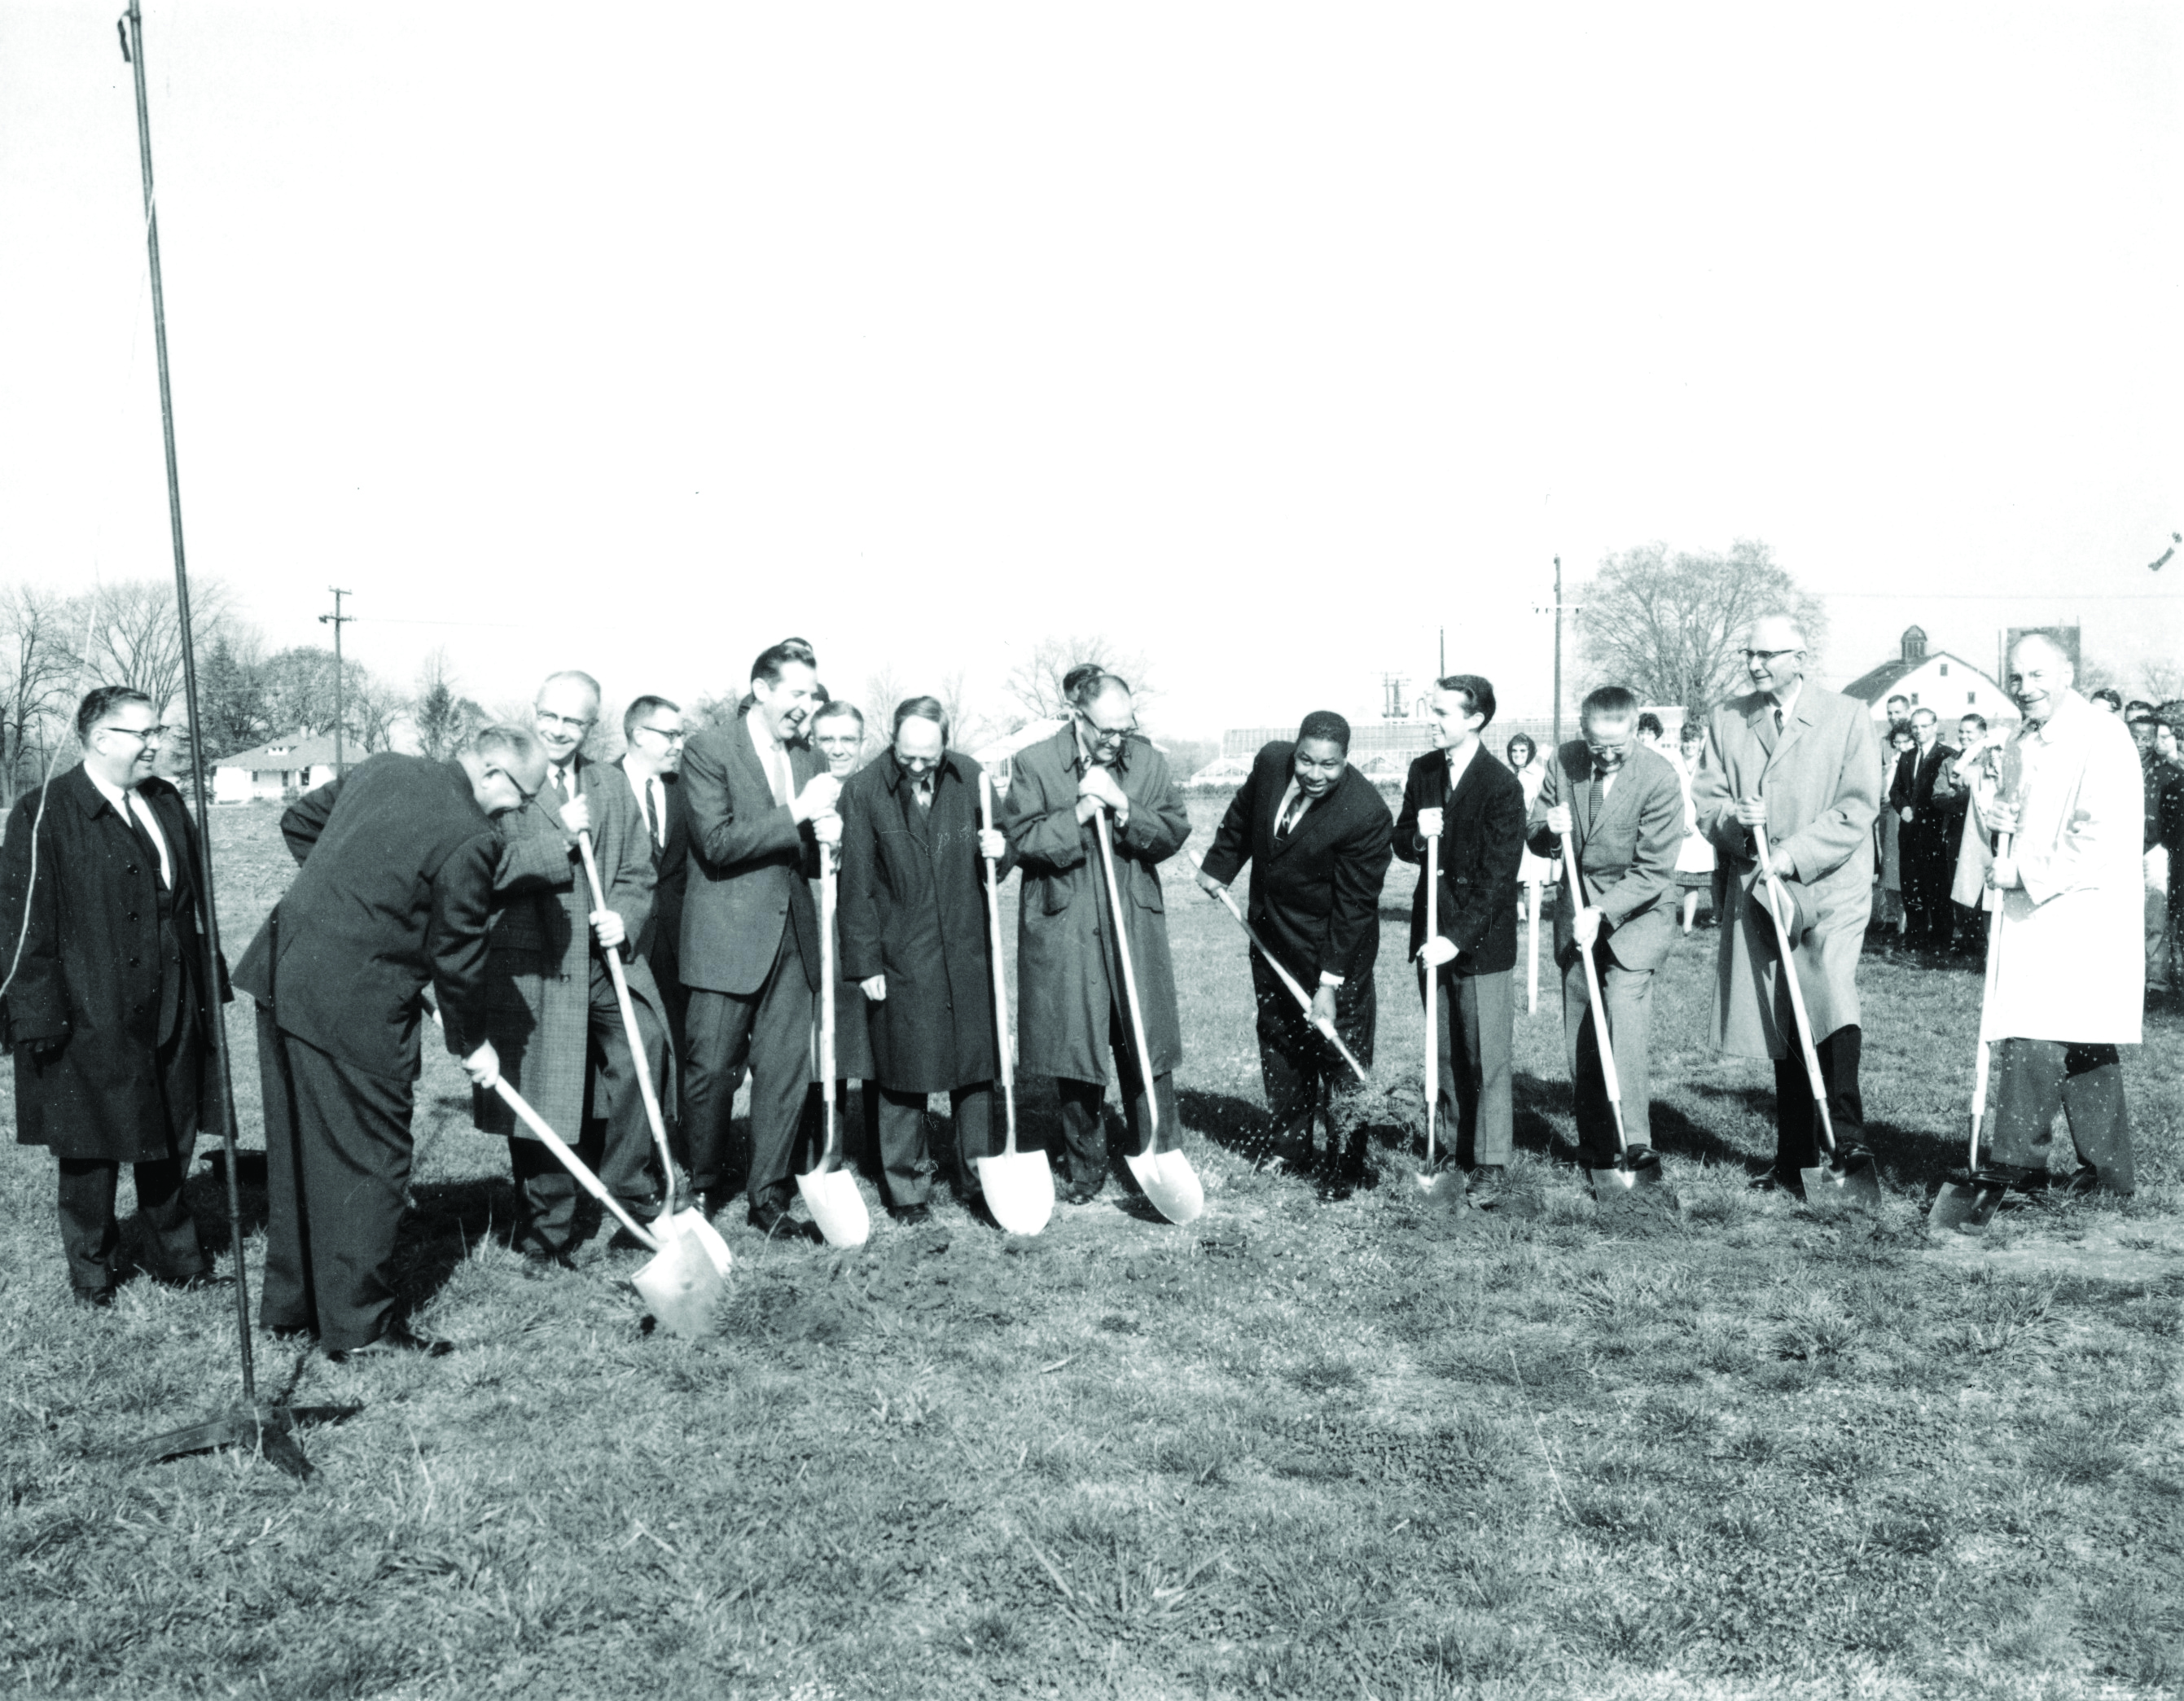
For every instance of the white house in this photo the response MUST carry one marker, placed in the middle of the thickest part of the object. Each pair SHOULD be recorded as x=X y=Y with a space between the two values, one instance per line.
x=1935 y=679
x=275 y=770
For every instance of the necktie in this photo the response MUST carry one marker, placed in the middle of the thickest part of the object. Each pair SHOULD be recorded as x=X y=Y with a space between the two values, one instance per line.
x=561 y=784
x=1291 y=817
x=1778 y=723
x=652 y=813
x=924 y=795
x=133 y=805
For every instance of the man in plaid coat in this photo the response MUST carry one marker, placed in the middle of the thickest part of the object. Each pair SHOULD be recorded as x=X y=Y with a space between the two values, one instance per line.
x=550 y=1005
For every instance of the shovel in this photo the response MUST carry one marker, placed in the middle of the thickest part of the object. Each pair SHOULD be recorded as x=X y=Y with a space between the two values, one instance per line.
x=1449 y=1191
x=1165 y=1178
x=1834 y=1182
x=684 y=1278
x=1623 y=1186
x=680 y=1215
x=830 y=1192
x=1326 y=1029
x=1965 y=1206
x=1018 y=1185
x=1532 y=891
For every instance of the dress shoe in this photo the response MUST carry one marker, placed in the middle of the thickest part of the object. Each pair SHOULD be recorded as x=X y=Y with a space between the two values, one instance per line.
x=1487 y=1181
x=95 y=1298
x=910 y=1216
x=774 y=1222
x=1080 y=1192
x=291 y=1331
x=399 y=1339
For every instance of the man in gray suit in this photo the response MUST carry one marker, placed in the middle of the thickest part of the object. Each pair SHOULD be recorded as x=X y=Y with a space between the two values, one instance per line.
x=759 y=804
x=1801 y=765
x=1621 y=806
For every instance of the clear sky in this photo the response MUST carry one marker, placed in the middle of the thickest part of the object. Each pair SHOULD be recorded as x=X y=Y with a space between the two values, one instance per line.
x=1266 y=339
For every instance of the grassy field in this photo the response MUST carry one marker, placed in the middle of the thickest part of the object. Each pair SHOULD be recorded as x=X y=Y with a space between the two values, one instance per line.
x=1318 y=1444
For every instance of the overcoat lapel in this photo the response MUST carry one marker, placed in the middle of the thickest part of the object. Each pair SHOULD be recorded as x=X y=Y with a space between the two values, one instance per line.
x=1792 y=725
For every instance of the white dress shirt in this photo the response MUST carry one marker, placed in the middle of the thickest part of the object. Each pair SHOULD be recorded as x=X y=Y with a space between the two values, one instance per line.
x=131 y=803
x=772 y=756
x=646 y=789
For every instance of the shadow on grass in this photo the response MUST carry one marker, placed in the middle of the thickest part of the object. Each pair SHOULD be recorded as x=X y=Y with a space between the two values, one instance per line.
x=446 y=1219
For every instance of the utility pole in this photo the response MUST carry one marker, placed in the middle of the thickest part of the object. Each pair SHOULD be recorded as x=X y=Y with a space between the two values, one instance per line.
x=1558 y=608
x=337 y=619
x=1443 y=674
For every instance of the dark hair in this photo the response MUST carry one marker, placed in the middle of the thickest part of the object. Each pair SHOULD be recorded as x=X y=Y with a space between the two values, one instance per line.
x=2134 y=705
x=1896 y=732
x=1084 y=683
x=770 y=662
x=1650 y=726
x=642 y=708
x=1691 y=733
x=2171 y=715
x=103 y=702
x=923 y=709
x=2112 y=698
x=1898 y=698
x=839 y=709
x=1611 y=701
x=1531 y=749
x=1325 y=723
x=1968 y=716
x=1478 y=694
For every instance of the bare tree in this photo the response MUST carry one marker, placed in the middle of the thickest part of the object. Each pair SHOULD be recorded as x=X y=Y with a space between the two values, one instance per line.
x=136 y=638
x=437 y=711
x=39 y=672
x=1671 y=627
x=882 y=691
x=2160 y=681
x=1034 y=685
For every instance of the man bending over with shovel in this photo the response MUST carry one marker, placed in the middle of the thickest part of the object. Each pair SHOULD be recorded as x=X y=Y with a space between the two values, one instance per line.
x=1619 y=807
x=1800 y=766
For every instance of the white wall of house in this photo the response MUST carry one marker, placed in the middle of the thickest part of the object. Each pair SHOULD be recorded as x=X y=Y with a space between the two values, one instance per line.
x=265 y=785
x=1953 y=689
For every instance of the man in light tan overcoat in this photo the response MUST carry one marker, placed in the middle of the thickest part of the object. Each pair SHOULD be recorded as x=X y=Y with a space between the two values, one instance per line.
x=1801 y=765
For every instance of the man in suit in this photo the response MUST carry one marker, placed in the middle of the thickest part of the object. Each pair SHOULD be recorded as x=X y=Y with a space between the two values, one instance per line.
x=1926 y=804
x=395 y=894
x=1072 y=1016
x=915 y=945
x=551 y=1008
x=106 y=1010
x=838 y=733
x=1458 y=795
x=760 y=805
x=652 y=761
x=1620 y=806
x=1801 y=765
x=1318 y=839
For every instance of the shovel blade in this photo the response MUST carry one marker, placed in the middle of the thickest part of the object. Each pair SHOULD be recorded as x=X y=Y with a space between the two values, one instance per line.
x=1963 y=1207
x=1169 y=1184
x=837 y=1206
x=1019 y=1190
x=681 y=1283
x=265 y=1429
x=691 y=1224
x=1851 y=1186
x=1447 y=1190
x=1630 y=1192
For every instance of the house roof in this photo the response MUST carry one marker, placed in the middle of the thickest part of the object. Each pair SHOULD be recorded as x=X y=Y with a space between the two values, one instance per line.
x=1877 y=686
x=294 y=751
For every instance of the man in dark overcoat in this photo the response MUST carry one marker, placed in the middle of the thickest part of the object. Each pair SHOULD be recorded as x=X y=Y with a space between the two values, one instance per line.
x=915 y=942
x=394 y=895
x=1926 y=804
x=105 y=1006
x=1071 y=1014
x=1459 y=794
x=1620 y=806
x=760 y=804
x=551 y=1009
x=1318 y=838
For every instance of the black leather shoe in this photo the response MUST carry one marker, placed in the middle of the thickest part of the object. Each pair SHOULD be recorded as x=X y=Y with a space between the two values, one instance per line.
x=399 y=1339
x=1080 y=1192
x=1487 y=1181
x=97 y=1298
x=774 y=1222
x=910 y=1216
x=291 y=1331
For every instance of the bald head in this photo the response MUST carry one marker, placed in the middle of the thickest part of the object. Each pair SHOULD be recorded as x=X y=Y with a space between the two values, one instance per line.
x=2041 y=674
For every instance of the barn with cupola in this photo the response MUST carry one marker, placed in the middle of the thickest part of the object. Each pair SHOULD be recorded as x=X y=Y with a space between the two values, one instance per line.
x=1935 y=679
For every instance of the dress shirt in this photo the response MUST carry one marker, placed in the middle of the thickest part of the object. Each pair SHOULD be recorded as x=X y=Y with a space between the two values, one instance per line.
x=133 y=808
x=773 y=757
x=1294 y=796
x=651 y=803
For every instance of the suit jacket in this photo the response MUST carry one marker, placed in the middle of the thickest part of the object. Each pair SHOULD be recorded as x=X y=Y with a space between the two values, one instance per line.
x=1315 y=895
x=661 y=942
x=1820 y=777
x=1626 y=852
x=394 y=892
x=1923 y=783
x=1482 y=842
x=750 y=864
x=91 y=975
x=538 y=961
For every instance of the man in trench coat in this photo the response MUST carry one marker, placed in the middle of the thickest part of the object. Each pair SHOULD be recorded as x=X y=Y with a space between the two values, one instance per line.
x=1319 y=838
x=915 y=942
x=2067 y=985
x=107 y=1012
x=1071 y=1014
x=551 y=1010
x=1800 y=764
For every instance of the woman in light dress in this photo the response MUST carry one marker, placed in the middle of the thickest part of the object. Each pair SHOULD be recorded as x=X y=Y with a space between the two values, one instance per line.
x=1695 y=856
x=1532 y=871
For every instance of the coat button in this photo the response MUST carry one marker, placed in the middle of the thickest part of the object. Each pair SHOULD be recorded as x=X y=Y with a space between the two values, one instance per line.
x=133 y=962
x=132 y=915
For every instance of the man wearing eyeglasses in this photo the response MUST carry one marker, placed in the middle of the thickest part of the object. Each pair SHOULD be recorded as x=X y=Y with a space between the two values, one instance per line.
x=1801 y=765
x=393 y=896
x=652 y=762
x=553 y=1013
x=106 y=1010
x=1071 y=1017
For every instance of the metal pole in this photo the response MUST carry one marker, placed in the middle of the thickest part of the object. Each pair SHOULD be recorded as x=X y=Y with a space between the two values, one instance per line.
x=1558 y=652
x=208 y=916
x=337 y=619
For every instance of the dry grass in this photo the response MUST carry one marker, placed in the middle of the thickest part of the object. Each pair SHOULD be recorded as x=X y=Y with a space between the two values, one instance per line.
x=1313 y=1445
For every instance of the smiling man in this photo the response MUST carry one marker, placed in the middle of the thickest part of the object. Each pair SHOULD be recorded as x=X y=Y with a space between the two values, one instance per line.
x=1620 y=806
x=1318 y=839
x=2067 y=987
x=1802 y=766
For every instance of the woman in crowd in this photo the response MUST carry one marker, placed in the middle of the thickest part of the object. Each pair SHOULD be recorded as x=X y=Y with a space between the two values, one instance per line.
x=1694 y=856
x=1532 y=871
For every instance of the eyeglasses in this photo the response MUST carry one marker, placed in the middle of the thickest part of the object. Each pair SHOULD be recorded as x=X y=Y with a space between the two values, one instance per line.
x=1752 y=655
x=568 y=722
x=1107 y=734
x=150 y=735
x=673 y=735
x=525 y=795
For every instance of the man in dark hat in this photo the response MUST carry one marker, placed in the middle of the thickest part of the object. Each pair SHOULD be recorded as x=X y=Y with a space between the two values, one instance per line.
x=1319 y=838
x=106 y=1009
